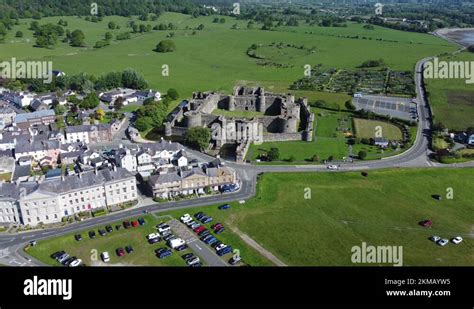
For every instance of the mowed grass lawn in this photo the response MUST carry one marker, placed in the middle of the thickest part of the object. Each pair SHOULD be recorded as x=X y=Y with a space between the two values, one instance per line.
x=452 y=100
x=370 y=128
x=346 y=209
x=215 y=58
x=143 y=254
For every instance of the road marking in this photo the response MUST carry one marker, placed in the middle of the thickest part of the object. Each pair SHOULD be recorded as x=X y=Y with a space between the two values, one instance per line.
x=197 y=246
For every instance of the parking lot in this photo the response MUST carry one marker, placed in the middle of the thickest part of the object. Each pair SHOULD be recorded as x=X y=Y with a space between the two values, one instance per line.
x=196 y=245
x=402 y=108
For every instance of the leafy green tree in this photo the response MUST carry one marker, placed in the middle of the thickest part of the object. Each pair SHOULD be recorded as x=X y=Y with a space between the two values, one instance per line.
x=198 y=137
x=166 y=46
x=108 y=36
x=111 y=25
x=362 y=154
x=273 y=154
x=132 y=79
x=143 y=123
x=172 y=94
x=91 y=101
x=19 y=34
x=77 y=38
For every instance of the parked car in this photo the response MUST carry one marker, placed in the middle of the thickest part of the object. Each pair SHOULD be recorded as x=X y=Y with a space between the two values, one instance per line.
x=426 y=223
x=204 y=233
x=68 y=261
x=181 y=248
x=186 y=218
x=57 y=254
x=187 y=256
x=224 y=207
x=217 y=243
x=332 y=167
x=163 y=253
x=135 y=223
x=152 y=241
x=192 y=261
x=224 y=251
x=218 y=231
x=234 y=260
x=216 y=226
x=220 y=247
x=78 y=237
x=118 y=227
x=105 y=256
x=129 y=249
x=126 y=224
x=205 y=238
x=195 y=225
x=120 y=252
x=435 y=238
x=109 y=229
x=199 y=215
x=457 y=240
x=190 y=223
x=198 y=264
x=164 y=228
x=102 y=232
x=75 y=263
x=206 y=220
x=91 y=234
x=141 y=221
x=442 y=242
x=168 y=237
x=199 y=229
x=152 y=235
x=63 y=257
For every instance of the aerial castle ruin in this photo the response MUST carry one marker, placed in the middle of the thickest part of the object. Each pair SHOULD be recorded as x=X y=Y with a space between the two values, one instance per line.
x=282 y=118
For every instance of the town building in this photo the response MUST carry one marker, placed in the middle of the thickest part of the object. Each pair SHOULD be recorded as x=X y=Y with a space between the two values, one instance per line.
x=27 y=120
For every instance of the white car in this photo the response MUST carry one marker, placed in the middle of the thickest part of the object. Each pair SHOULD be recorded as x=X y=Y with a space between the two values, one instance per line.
x=457 y=240
x=164 y=228
x=220 y=247
x=105 y=256
x=75 y=263
x=176 y=242
x=186 y=218
x=435 y=238
x=442 y=242
x=152 y=236
x=332 y=167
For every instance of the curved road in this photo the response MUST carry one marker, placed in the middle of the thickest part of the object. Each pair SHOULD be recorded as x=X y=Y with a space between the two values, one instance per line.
x=417 y=156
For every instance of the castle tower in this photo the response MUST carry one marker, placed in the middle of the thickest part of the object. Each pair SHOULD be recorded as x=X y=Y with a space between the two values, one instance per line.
x=192 y=119
x=168 y=129
x=261 y=107
x=231 y=105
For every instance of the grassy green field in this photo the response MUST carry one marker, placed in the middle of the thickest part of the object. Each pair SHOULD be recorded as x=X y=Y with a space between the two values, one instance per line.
x=218 y=53
x=346 y=209
x=452 y=100
x=364 y=128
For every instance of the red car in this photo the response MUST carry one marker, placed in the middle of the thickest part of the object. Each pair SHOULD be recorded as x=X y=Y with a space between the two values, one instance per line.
x=126 y=224
x=120 y=252
x=199 y=229
x=135 y=223
x=217 y=226
x=426 y=223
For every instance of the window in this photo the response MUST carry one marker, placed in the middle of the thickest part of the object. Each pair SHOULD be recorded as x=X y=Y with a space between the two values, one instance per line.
x=47 y=217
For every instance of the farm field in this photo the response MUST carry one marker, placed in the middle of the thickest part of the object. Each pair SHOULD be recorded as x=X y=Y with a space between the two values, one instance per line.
x=143 y=254
x=364 y=128
x=346 y=209
x=218 y=50
x=452 y=100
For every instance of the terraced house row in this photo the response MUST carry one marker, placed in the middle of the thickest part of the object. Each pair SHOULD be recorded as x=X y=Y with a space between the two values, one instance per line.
x=49 y=200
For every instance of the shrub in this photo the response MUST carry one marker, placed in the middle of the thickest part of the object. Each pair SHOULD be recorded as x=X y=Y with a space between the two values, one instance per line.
x=166 y=46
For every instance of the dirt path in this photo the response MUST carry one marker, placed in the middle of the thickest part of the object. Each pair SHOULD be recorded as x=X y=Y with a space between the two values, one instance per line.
x=252 y=243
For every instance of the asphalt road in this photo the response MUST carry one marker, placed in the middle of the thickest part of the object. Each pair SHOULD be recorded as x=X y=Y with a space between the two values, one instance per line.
x=416 y=156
